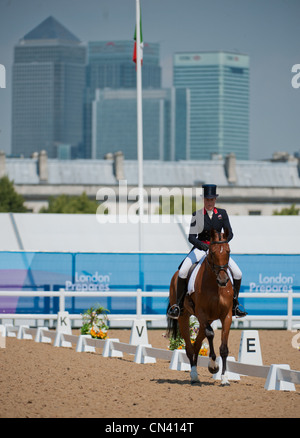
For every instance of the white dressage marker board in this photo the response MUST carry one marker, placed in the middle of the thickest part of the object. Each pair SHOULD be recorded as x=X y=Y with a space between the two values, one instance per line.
x=139 y=335
x=250 y=351
x=64 y=323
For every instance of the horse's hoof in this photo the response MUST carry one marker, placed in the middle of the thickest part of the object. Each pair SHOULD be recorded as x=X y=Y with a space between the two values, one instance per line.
x=194 y=375
x=213 y=367
x=224 y=380
x=195 y=380
x=213 y=370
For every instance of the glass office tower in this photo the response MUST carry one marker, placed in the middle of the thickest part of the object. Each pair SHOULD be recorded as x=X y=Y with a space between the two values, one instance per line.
x=219 y=102
x=110 y=66
x=114 y=115
x=48 y=90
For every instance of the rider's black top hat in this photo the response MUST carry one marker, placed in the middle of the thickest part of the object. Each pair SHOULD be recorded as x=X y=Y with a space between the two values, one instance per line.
x=209 y=191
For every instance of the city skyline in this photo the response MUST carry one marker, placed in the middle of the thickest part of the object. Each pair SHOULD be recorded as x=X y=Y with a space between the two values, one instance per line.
x=266 y=30
x=51 y=96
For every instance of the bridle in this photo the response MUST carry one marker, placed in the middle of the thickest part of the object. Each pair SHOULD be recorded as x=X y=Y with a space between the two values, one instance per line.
x=213 y=266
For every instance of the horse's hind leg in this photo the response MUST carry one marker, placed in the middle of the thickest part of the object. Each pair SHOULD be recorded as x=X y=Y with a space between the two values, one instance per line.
x=184 y=325
x=213 y=367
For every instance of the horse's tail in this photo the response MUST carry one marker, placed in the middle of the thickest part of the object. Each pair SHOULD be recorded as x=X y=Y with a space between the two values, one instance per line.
x=172 y=330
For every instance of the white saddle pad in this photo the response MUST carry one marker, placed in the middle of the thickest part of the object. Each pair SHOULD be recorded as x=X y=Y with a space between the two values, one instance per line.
x=191 y=284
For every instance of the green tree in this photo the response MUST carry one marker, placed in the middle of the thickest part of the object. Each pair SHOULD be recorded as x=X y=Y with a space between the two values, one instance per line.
x=10 y=200
x=71 y=204
x=288 y=211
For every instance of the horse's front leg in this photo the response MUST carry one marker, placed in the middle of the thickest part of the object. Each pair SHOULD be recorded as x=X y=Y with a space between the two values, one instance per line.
x=197 y=345
x=226 y=324
x=184 y=326
x=213 y=367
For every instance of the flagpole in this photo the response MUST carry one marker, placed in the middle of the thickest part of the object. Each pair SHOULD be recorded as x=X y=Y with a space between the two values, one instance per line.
x=139 y=120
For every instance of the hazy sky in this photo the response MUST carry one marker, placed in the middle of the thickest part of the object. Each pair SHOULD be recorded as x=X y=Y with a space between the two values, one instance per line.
x=267 y=30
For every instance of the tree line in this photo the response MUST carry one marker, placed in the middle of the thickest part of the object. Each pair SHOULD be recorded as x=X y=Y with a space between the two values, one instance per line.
x=13 y=202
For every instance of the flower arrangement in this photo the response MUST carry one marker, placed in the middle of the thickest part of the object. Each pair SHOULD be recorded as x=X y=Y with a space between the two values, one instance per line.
x=179 y=344
x=95 y=322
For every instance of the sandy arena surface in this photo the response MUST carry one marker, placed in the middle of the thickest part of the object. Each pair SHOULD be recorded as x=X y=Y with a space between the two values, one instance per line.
x=39 y=380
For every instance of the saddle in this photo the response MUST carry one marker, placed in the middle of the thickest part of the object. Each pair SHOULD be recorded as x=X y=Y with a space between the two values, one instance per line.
x=191 y=270
x=190 y=303
x=191 y=278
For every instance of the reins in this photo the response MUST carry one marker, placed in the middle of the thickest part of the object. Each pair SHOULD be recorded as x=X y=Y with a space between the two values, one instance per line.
x=214 y=265
x=219 y=242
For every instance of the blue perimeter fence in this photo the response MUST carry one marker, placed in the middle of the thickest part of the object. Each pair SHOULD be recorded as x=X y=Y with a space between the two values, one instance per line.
x=45 y=271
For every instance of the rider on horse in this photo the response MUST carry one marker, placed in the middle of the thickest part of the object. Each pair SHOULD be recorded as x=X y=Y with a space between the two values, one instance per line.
x=203 y=221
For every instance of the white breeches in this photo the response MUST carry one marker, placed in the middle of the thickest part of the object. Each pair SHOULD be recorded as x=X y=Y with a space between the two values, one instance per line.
x=198 y=256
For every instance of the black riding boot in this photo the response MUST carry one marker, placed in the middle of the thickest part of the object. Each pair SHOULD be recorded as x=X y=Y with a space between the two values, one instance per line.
x=236 y=311
x=175 y=310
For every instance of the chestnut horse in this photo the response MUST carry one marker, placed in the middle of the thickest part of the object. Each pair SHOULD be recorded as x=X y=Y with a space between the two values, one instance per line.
x=211 y=300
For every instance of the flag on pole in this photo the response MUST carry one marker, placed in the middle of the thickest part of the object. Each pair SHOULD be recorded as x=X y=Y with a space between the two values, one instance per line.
x=141 y=43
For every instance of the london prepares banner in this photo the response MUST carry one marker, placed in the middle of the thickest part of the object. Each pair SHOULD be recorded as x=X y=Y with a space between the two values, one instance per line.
x=131 y=271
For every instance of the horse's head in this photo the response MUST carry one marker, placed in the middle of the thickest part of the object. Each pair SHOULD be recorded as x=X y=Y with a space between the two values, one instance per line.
x=218 y=256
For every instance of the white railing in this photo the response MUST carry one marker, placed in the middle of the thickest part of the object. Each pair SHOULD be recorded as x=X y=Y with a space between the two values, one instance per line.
x=289 y=317
x=139 y=294
x=62 y=294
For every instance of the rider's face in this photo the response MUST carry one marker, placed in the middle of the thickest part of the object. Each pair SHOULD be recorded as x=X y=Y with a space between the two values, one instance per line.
x=209 y=203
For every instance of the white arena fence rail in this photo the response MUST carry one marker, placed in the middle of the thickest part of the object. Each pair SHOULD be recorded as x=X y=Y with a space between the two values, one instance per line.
x=139 y=294
x=277 y=377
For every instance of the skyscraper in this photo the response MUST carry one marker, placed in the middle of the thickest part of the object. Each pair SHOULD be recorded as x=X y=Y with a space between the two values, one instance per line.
x=48 y=90
x=114 y=114
x=180 y=125
x=219 y=102
x=110 y=66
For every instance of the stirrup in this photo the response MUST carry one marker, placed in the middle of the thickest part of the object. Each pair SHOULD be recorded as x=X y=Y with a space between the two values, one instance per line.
x=174 y=311
x=236 y=308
